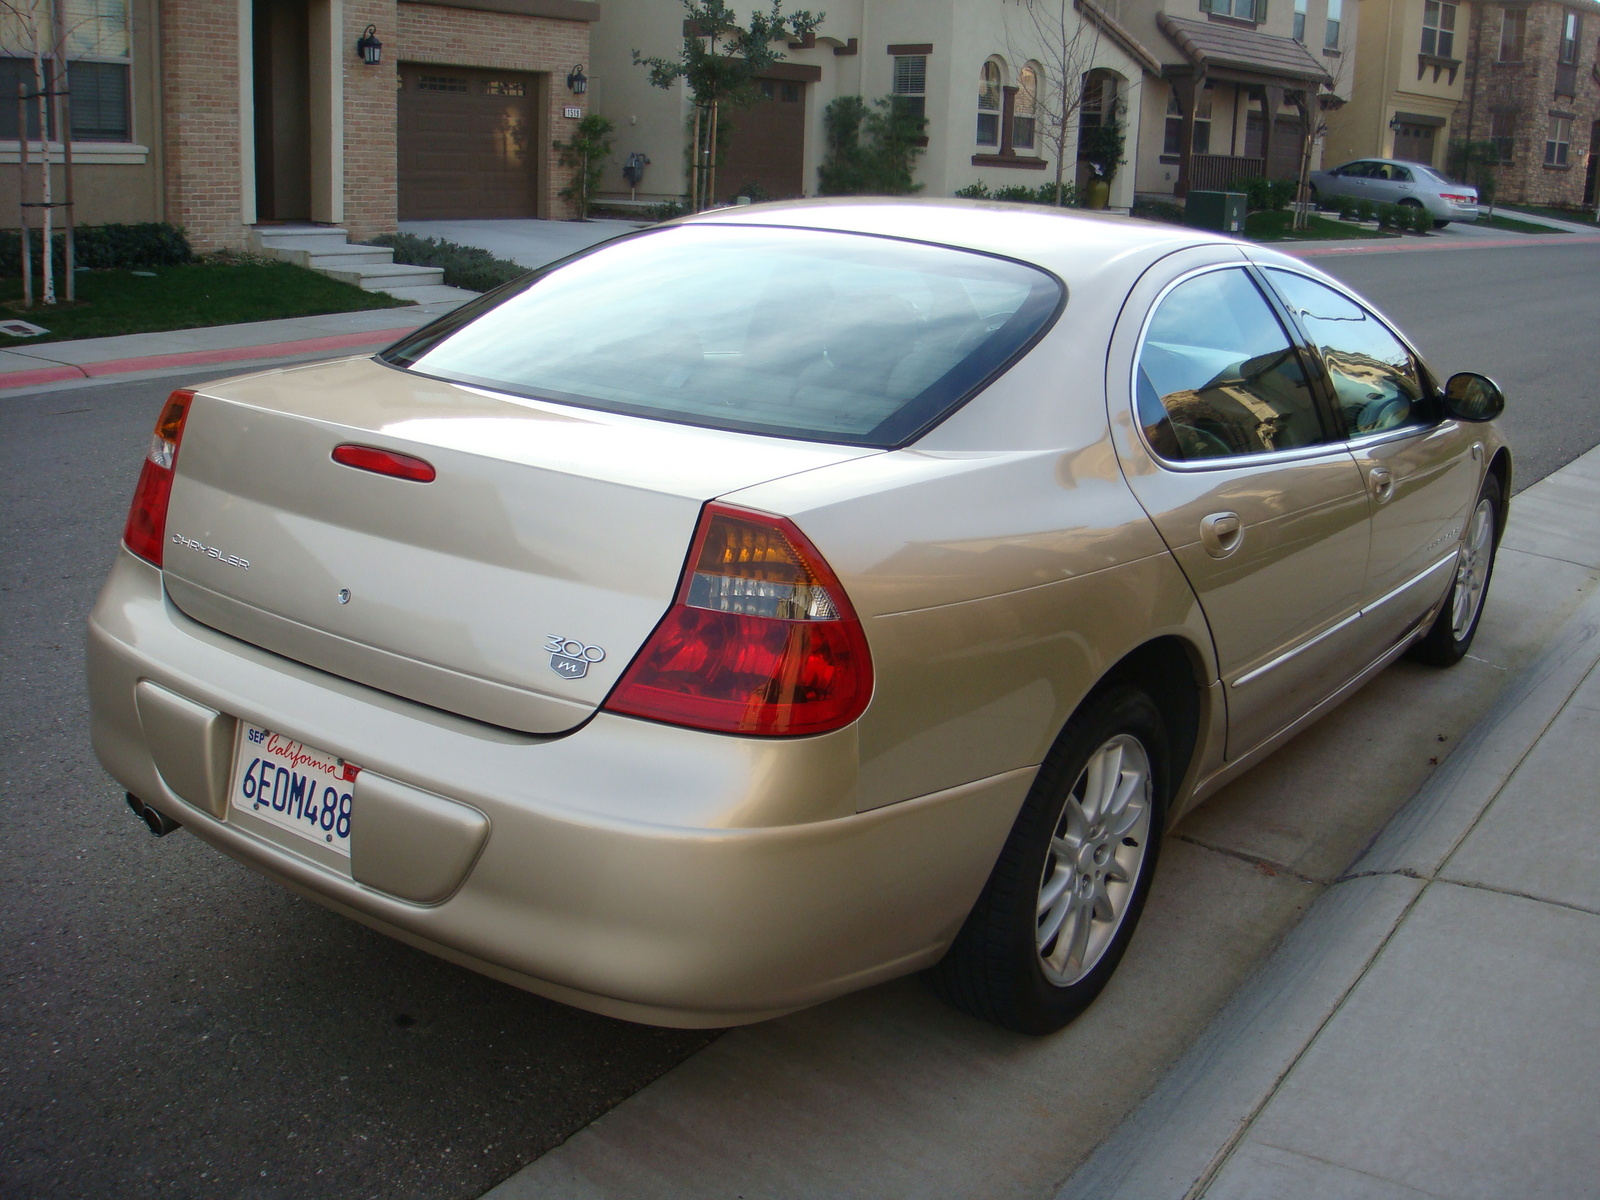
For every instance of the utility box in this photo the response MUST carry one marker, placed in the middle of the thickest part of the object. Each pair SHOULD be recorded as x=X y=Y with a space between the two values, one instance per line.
x=1222 y=211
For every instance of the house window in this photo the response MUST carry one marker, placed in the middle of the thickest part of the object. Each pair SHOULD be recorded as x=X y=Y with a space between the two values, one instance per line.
x=1502 y=132
x=1330 y=32
x=1202 y=120
x=1568 y=52
x=505 y=87
x=1300 y=21
x=1557 y=142
x=1513 y=34
x=1172 y=143
x=1241 y=10
x=98 y=50
x=1438 y=28
x=441 y=83
x=989 y=105
x=1025 y=107
x=911 y=83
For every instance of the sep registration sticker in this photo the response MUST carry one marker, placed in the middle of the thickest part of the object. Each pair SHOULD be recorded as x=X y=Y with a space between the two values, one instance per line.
x=294 y=786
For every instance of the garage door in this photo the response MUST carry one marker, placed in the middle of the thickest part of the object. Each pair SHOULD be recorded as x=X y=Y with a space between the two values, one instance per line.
x=469 y=143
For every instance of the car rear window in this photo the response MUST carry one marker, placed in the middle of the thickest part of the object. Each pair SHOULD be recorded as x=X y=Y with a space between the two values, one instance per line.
x=800 y=333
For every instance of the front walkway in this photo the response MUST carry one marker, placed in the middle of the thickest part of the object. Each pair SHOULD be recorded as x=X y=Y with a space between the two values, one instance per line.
x=530 y=243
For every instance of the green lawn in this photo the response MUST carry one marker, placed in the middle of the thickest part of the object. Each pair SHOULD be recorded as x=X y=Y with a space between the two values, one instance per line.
x=1581 y=216
x=1512 y=225
x=186 y=297
x=1275 y=227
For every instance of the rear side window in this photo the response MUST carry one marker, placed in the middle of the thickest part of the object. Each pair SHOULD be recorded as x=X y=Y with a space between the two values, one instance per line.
x=1218 y=377
x=799 y=333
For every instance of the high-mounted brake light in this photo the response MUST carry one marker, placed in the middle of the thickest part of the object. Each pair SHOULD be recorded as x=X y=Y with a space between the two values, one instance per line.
x=761 y=638
x=384 y=462
x=146 y=529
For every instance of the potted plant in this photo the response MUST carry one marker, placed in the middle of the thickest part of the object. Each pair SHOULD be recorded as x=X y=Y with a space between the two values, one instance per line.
x=1101 y=147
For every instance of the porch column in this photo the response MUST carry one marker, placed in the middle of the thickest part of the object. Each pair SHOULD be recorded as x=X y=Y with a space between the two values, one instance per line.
x=328 y=53
x=1272 y=100
x=1183 y=87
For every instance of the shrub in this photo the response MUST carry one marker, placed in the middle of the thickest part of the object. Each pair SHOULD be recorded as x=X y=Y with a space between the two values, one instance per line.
x=1392 y=216
x=1021 y=193
x=871 y=150
x=464 y=266
x=1265 y=195
x=667 y=210
x=585 y=155
x=102 y=247
x=1346 y=206
x=1421 y=219
x=1159 y=210
x=1365 y=210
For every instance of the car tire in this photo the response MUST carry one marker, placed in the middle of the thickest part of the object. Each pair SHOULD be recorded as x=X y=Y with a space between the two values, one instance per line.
x=1450 y=636
x=1440 y=224
x=1311 y=194
x=1062 y=901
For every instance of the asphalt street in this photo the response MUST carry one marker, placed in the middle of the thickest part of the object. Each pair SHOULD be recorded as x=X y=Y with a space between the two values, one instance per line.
x=172 y=1025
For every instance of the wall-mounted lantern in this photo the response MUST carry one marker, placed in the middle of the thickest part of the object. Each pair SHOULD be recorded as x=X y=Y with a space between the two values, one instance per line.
x=1394 y=125
x=368 y=48
x=577 y=81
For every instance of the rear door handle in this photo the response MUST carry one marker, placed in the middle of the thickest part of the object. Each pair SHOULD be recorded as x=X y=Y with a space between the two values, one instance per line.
x=1382 y=480
x=1221 y=534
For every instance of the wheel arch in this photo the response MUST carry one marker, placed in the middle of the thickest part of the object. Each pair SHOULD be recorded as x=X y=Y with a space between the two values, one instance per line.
x=1173 y=671
x=1500 y=468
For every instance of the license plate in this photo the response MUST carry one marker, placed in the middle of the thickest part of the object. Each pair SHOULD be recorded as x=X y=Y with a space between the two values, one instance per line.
x=294 y=786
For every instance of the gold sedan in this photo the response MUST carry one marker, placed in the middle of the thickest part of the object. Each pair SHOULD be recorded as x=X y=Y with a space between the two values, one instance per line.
x=779 y=601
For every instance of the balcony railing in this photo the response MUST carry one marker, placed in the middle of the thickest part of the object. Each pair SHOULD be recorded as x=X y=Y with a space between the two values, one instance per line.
x=1217 y=172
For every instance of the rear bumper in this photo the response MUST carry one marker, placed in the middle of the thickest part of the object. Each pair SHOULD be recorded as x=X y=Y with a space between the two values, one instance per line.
x=647 y=872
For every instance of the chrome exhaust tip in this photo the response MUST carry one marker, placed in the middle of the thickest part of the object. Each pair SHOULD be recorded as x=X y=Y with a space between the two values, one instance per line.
x=157 y=822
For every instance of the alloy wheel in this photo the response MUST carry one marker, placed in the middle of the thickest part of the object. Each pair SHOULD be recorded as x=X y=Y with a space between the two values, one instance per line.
x=1472 y=569
x=1096 y=853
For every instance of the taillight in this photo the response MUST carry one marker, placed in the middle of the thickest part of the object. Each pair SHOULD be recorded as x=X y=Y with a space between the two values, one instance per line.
x=761 y=639
x=1458 y=198
x=147 y=515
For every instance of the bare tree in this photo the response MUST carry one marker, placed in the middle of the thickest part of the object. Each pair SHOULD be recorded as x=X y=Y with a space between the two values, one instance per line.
x=1313 y=131
x=31 y=30
x=1066 y=46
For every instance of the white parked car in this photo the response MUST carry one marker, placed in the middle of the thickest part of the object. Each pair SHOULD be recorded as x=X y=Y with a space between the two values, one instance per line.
x=1390 y=181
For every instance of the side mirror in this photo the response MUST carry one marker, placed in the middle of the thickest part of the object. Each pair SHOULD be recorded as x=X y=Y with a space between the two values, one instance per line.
x=1472 y=397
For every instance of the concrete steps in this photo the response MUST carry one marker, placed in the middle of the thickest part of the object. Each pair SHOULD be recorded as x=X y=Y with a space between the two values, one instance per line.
x=326 y=249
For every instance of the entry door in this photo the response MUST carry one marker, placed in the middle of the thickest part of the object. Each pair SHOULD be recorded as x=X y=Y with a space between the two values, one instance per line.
x=1420 y=475
x=469 y=143
x=1256 y=496
x=767 y=144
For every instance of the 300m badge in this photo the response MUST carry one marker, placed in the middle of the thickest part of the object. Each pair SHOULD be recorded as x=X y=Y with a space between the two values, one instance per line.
x=570 y=658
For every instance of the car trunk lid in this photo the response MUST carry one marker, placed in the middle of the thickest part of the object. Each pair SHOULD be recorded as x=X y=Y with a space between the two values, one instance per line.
x=513 y=588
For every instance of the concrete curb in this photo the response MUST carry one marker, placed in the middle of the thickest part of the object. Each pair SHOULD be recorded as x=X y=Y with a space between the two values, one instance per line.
x=1174 y=1144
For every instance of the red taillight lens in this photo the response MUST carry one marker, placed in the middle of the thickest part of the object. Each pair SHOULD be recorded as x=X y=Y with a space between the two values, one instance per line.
x=146 y=529
x=1459 y=199
x=760 y=640
x=384 y=462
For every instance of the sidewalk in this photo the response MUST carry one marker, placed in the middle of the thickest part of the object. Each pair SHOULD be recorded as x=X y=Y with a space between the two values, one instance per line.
x=1433 y=1027
x=25 y=366
x=1428 y=1025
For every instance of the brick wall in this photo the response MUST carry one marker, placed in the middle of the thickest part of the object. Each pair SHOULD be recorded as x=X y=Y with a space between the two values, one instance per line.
x=1527 y=89
x=200 y=120
x=457 y=37
x=369 y=121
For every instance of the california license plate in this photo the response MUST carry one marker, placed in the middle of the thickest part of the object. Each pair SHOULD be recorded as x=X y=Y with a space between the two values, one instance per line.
x=294 y=786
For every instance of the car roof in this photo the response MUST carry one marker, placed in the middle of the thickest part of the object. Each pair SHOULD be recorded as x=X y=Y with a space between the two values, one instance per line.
x=1077 y=246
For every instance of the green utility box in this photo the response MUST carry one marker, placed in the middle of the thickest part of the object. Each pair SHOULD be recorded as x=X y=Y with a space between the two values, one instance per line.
x=1222 y=211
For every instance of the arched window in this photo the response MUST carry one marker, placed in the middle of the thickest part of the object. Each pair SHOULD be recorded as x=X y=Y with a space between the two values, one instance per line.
x=1027 y=104
x=989 y=98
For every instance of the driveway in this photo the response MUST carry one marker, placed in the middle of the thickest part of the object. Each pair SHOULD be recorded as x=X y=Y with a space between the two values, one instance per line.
x=530 y=243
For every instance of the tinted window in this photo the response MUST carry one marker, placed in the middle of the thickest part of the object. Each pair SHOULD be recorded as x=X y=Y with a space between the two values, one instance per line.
x=1400 y=174
x=1377 y=381
x=801 y=333
x=1218 y=376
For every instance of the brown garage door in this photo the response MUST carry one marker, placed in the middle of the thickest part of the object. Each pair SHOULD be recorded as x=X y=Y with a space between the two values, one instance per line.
x=469 y=143
x=767 y=144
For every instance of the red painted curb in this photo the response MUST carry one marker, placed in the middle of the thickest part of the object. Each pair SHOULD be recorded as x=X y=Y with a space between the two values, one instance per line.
x=1570 y=239
x=198 y=358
